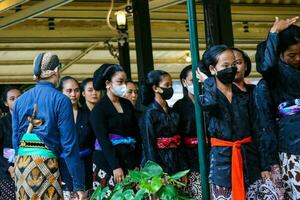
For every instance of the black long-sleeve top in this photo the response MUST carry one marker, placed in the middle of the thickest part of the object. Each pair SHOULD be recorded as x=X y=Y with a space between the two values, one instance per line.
x=284 y=84
x=86 y=140
x=187 y=128
x=156 y=123
x=106 y=120
x=5 y=142
x=267 y=130
x=230 y=122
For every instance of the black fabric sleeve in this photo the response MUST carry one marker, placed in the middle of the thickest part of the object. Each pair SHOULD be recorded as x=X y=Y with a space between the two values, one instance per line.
x=269 y=58
x=208 y=101
x=266 y=126
x=148 y=137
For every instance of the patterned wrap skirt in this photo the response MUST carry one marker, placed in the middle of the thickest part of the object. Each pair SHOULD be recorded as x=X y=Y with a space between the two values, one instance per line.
x=290 y=165
x=262 y=189
x=37 y=171
x=194 y=185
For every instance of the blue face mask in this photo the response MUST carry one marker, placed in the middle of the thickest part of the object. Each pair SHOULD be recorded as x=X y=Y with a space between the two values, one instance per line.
x=119 y=90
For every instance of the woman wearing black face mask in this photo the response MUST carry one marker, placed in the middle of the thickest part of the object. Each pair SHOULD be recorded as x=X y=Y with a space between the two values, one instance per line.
x=234 y=158
x=159 y=124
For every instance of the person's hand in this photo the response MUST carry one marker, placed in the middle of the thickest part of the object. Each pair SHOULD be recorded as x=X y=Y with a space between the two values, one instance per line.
x=200 y=76
x=281 y=24
x=11 y=171
x=118 y=175
x=81 y=195
x=297 y=23
x=266 y=175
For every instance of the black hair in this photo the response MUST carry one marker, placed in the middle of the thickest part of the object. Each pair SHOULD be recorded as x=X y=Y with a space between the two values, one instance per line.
x=183 y=75
x=84 y=83
x=104 y=73
x=130 y=81
x=152 y=79
x=246 y=59
x=288 y=37
x=211 y=57
x=64 y=79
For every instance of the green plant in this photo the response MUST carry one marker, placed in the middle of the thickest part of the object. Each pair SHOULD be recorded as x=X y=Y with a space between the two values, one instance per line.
x=148 y=183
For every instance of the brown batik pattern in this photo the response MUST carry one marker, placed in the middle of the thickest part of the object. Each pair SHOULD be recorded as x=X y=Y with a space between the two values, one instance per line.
x=290 y=165
x=37 y=178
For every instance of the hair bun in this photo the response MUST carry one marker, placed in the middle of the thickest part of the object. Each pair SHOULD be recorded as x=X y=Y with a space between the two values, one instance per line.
x=99 y=80
x=104 y=73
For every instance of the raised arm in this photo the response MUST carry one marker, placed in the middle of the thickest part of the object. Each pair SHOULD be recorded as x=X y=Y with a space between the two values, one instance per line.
x=267 y=55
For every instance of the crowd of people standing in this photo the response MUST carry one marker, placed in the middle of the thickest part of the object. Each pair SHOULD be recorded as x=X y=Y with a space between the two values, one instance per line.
x=62 y=139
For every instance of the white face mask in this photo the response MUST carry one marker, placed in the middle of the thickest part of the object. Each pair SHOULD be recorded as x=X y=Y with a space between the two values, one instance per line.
x=190 y=88
x=119 y=90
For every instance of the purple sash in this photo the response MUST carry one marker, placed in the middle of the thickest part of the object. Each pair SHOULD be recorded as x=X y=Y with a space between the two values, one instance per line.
x=115 y=140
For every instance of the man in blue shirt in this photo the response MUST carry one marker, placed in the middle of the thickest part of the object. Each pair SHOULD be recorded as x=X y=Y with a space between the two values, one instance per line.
x=48 y=139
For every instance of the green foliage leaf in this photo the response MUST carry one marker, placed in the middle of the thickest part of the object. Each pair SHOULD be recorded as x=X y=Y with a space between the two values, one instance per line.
x=137 y=176
x=180 y=174
x=168 y=192
x=153 y=169
x=153 y=185
x=156 y=184
x=140 y=194
x=129 y=194
x=118 y=195
x=95 y=193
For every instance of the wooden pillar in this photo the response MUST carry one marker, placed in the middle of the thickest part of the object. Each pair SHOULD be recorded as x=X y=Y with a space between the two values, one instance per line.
x=143 y=40
x=218 y=22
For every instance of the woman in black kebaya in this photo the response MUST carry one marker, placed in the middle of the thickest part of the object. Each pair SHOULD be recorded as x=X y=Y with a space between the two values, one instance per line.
x=86 y=139
x=187 y=128
x=115 y=126
x=7 y=174
x=159 y=123
x=234 y=158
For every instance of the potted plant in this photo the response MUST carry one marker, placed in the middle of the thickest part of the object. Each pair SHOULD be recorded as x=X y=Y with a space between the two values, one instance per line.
x=148 y=183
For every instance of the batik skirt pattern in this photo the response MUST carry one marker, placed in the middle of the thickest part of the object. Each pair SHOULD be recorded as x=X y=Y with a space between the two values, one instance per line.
x=37 y=177
x=194 y=186
x=290 y=165
x=262 y=189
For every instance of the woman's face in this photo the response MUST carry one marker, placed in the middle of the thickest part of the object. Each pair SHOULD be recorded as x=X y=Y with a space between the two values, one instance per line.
x=11 y=98
x=90 y=94
x=166 y=82
x=292 y=55
x=225 y=60
x=71 y=90
x=119 y=78
x=241 y=66
x=131 y=93
x=188 y=80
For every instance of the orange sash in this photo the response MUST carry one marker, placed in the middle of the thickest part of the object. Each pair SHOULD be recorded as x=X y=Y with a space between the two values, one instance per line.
x=237 y=170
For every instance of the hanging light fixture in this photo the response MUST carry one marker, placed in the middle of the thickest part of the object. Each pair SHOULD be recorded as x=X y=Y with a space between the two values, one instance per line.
x=121 y=20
